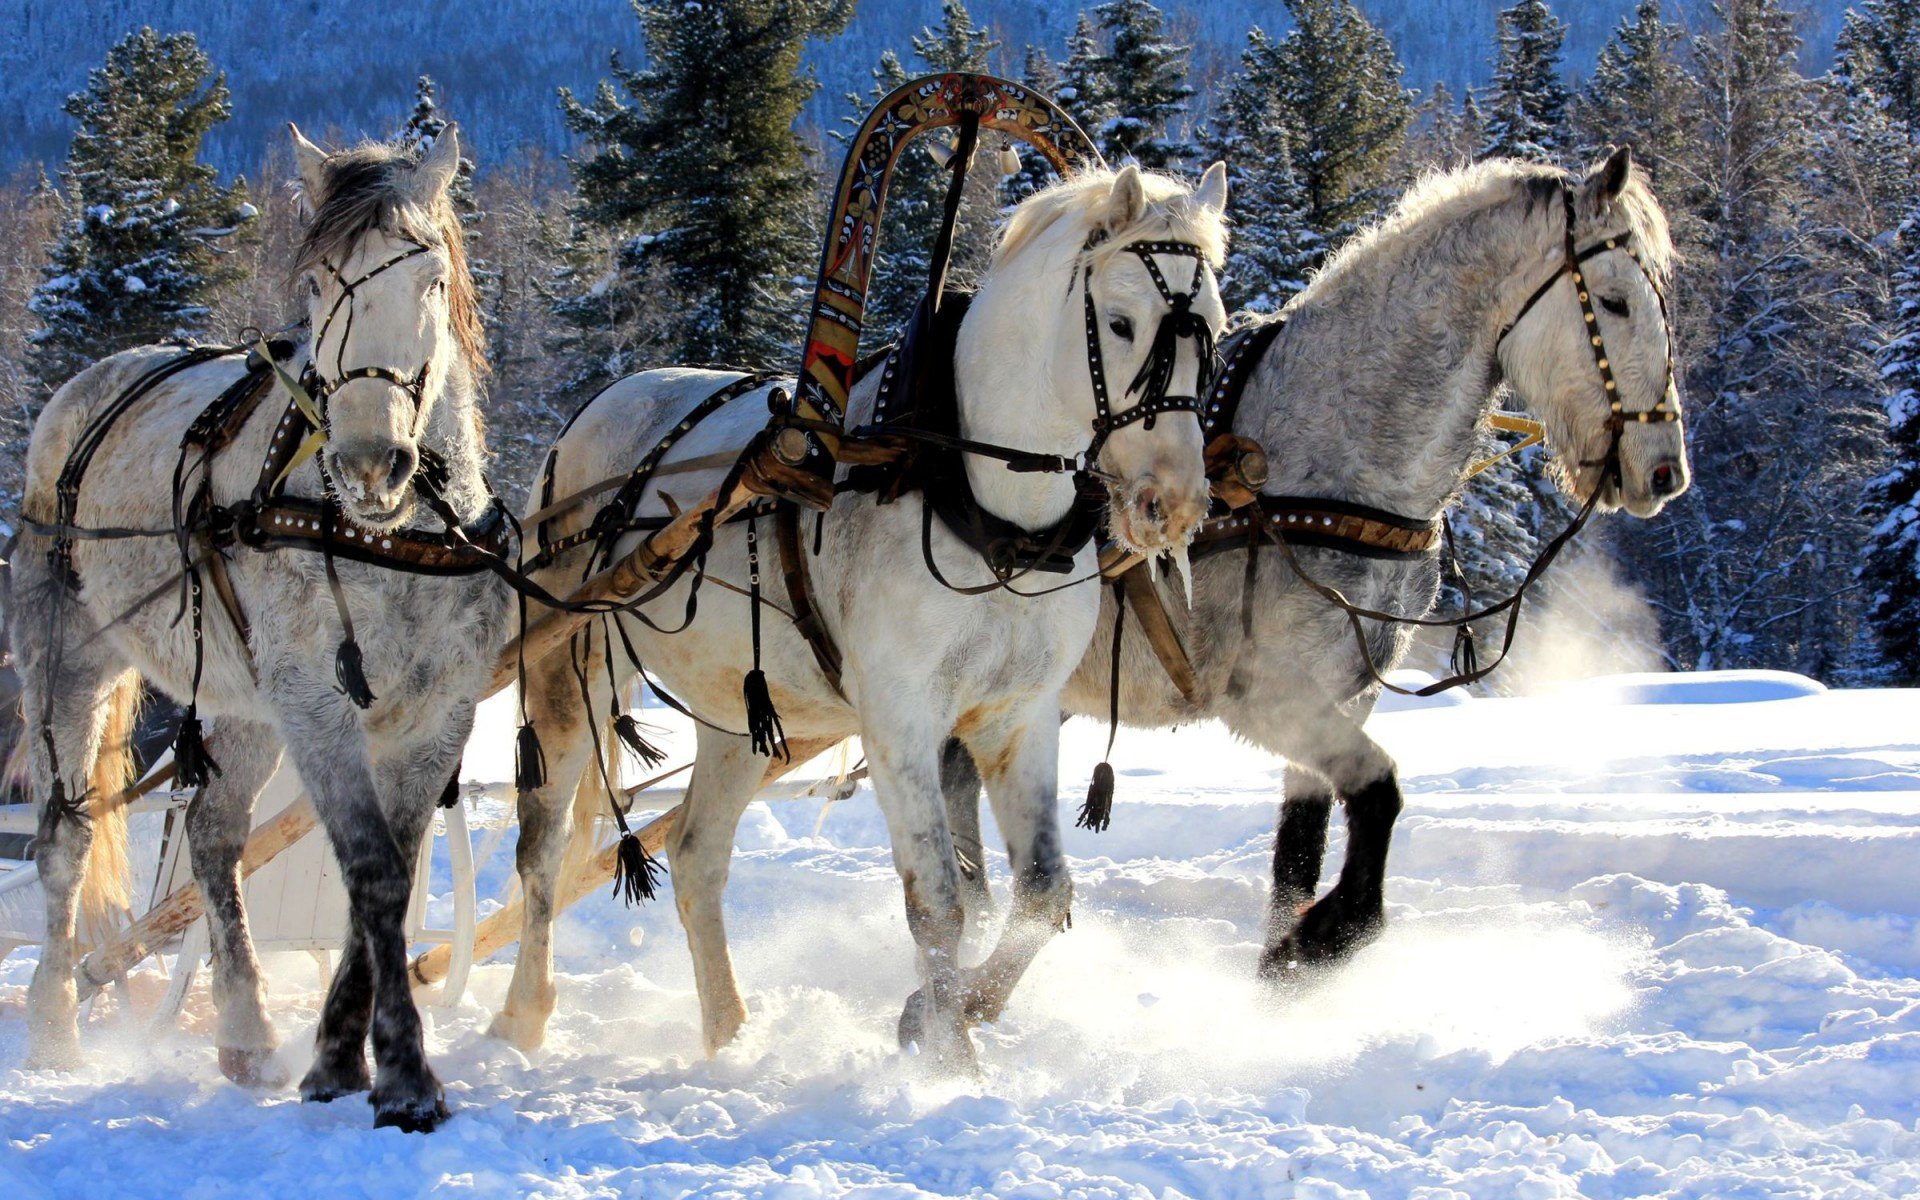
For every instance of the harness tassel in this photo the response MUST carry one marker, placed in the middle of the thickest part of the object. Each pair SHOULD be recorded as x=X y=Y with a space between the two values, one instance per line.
x=1097 y=813
x=529 y=761
x=350 y=672
x=635 y=872
x=763 y=723
x=193 y=766
x=628 y=731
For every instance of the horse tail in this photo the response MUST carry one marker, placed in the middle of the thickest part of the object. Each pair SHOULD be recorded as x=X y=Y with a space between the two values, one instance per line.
x=103 y=890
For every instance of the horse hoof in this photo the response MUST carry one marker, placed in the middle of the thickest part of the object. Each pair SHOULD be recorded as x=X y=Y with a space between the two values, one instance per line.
x=252 y=1068
x=323 y=1085
x=943 y=1053
x=422 y=1114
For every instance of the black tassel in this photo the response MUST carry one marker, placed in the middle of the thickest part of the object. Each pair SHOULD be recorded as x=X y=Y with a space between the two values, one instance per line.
x=193 y=766
x=634 y=870
x=1097 y=813
x=351 y=674
x=628 y=730
x=763 y=723
x=529 y=761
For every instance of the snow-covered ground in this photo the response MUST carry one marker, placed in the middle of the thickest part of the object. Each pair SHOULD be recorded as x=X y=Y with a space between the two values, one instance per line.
x=1650 y=937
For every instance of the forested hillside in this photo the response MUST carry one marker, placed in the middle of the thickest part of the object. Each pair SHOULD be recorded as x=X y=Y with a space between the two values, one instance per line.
x=352 y=62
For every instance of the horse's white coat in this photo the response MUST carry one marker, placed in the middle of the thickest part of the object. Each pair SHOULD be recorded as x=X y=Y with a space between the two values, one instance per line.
x=428 y=642
x=1375 y=393
x=921 y=662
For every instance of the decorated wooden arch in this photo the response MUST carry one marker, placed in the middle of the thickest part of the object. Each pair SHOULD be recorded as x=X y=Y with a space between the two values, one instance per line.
x=837 y=315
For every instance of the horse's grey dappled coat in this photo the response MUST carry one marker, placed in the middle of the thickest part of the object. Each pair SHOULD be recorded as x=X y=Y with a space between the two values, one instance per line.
x=920 y=660
x=428 y=642
x=1375 y=392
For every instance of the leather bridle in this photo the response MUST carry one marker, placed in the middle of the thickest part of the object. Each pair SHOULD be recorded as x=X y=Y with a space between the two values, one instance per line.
x=1156 y=374
x=1667 y=407
x=414 y=385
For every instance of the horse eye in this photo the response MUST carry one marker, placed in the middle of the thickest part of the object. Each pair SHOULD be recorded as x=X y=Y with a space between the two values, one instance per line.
x=1617 y=307
x=313 y=287
x=1122 y=328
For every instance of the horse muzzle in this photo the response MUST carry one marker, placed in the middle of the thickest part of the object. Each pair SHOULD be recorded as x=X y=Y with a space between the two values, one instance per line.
x=1156 y=516
x=371 y=480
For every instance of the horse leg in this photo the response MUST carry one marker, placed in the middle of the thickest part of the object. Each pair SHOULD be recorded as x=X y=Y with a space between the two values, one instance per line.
x=960 y=784
x=375 y=860
x=1022 y=770
x=1288 y=718
x=81 y=693
x=546 y=831
x=906 y=779
x=218 y=822
x=1299 y=846
x=726 y=774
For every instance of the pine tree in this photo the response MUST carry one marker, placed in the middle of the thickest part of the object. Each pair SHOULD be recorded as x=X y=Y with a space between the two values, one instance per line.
x=1891 y=570
x=696 y=164
x=1527 y=102
x=1637 y=94
x=1146 y=76
x=1438 y=137
x=136 y=261
x=1085 y=91
x=1874 y=101
x=1274 y=244
x=424 y=125
x=1335 y=81
x=916 y=196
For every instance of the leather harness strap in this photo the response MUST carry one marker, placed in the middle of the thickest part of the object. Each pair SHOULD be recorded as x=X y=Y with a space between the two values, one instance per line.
x=800 y=597
x=1333 y=524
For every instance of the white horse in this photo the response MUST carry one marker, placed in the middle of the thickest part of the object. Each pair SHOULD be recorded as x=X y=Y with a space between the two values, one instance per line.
x=1375 y=392
x=921 y=661
x=396 y=366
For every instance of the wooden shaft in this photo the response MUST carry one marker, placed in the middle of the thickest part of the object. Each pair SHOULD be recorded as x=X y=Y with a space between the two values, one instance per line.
x=171 y=917
x=502 y=929
x=644 y=565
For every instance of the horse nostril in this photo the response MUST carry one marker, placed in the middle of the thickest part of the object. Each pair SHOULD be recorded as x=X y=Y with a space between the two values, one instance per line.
x=400 y=463
x=1151 y=508
x=1662 y=480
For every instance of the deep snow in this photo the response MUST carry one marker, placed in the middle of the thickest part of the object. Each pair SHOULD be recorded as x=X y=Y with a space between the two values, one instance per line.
x=1652 y=936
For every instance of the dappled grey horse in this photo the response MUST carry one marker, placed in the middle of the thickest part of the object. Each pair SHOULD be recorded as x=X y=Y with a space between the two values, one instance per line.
x=1373 y=395
x=375 y=706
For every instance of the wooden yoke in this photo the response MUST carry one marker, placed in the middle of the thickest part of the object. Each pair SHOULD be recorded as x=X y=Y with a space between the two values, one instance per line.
x=798 y=459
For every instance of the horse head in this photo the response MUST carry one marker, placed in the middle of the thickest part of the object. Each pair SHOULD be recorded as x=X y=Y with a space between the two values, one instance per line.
x=392 y=310
x=1111 y=275
x=1591 y=349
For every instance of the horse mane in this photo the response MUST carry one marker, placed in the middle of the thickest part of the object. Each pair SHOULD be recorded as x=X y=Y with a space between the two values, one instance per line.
x=367 y=189
x=1171 y=213
x=1530 y=188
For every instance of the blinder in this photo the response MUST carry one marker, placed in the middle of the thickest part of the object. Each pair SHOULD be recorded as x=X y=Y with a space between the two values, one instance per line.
x=1156 y=374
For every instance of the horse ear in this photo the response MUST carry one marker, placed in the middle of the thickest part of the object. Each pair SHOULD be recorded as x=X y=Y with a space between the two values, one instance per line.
x=1212 y=193
x=1608 y=179
x=312 y=162
x=1128 y=199
x=435 y=173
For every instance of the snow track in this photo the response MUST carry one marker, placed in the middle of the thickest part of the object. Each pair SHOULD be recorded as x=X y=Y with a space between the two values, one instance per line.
x=1637 y=949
